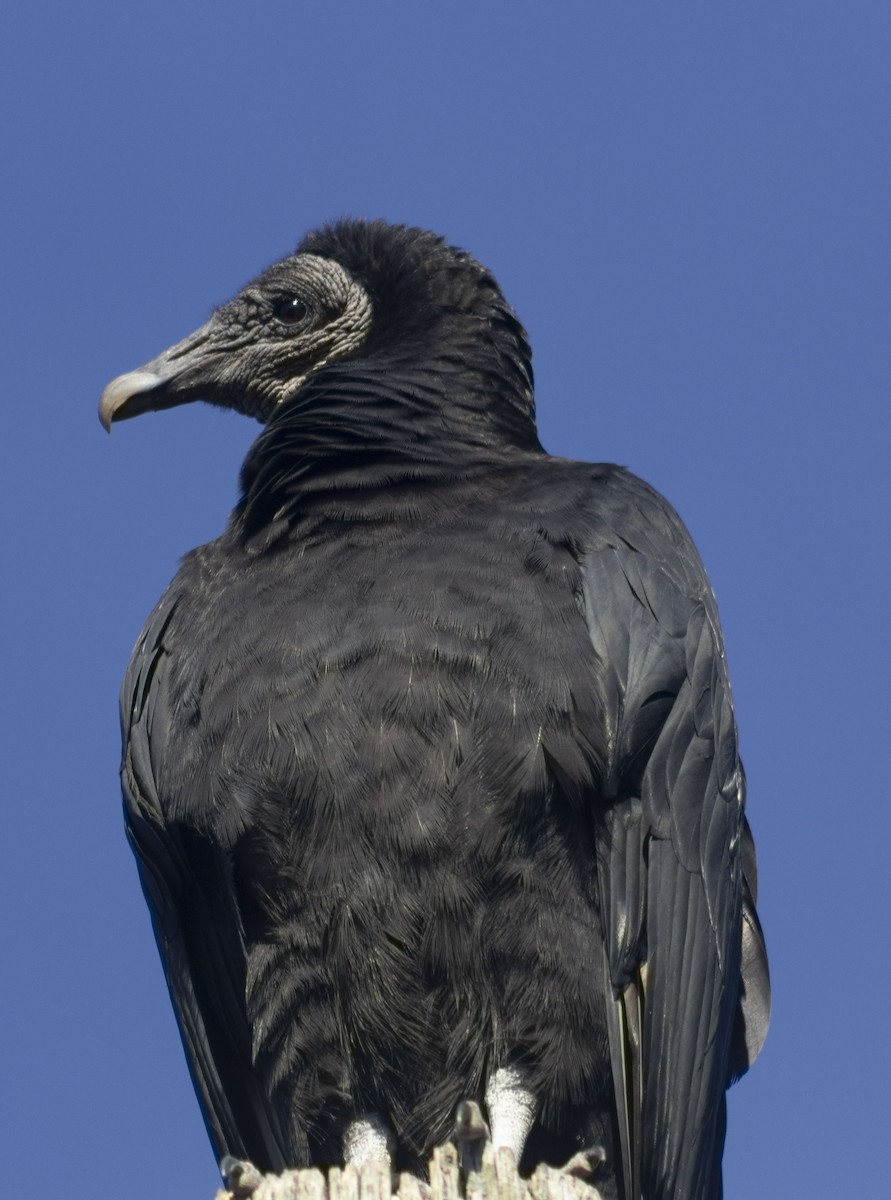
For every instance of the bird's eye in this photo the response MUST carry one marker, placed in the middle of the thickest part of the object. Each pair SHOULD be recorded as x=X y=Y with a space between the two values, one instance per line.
x=290 y=310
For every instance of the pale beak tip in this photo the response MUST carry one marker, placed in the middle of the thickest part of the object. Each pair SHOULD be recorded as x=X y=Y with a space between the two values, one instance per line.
x=120 y=394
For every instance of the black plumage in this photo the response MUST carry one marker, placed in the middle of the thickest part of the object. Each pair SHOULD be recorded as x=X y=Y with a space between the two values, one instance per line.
x=430 y=762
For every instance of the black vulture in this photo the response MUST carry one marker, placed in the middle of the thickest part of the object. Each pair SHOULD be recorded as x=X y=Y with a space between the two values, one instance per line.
x=430 y=762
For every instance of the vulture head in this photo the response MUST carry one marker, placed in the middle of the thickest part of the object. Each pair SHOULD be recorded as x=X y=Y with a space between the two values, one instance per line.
x=386 y=295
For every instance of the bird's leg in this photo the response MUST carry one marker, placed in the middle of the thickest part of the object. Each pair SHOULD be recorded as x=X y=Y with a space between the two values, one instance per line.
x=367 y=1138
x=512 y=1108
x=512 y=1111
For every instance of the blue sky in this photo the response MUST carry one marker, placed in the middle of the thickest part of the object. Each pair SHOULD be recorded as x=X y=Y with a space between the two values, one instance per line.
x=688 y=206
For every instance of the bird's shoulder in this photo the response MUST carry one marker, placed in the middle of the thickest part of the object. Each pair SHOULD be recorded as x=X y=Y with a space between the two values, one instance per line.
x=612 y=519
x=534 y=517
x=586 y=552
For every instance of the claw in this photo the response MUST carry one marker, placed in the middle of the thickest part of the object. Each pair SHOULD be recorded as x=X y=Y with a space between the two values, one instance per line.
x=585 y=1164
x=470 y=1135
x=240 y=1177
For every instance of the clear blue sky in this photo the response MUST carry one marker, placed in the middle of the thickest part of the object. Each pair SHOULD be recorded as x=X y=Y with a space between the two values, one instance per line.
x=688 y=205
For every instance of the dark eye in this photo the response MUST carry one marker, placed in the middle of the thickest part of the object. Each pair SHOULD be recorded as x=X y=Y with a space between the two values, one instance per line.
x=290 y=310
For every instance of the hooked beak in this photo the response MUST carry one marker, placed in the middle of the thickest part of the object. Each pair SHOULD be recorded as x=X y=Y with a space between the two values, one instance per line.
x=172 y=378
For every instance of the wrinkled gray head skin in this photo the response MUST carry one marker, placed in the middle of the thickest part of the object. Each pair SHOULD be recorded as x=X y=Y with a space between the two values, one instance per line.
x=427 y=320
x=255 y=352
